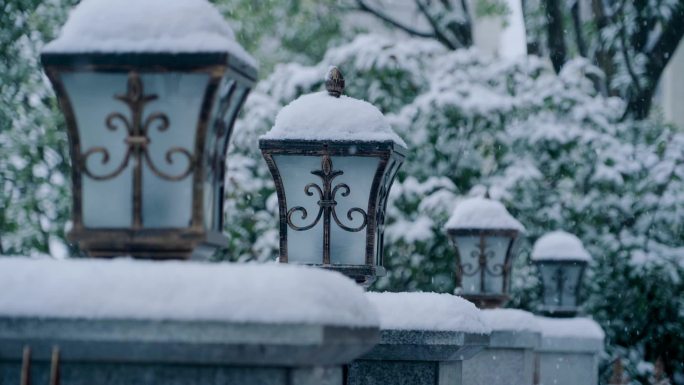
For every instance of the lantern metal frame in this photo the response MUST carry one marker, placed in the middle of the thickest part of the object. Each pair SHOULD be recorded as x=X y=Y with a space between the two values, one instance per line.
x=485 y=300
x=560 y=310
x=391 y=157
x=230 y=81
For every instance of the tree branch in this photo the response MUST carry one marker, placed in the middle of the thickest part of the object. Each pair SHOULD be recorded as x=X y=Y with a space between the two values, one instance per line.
x=439 y=34
x=364 y=7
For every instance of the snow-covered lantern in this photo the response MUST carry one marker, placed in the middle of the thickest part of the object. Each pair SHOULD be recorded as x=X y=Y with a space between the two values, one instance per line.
x=333 y=160
x=485 y=236
x=150 y=90
x=561 y=260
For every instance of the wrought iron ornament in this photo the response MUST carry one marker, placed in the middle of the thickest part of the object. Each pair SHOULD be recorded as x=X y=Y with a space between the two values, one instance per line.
x=137 y=143
x=327 y=205
x=482 y=255
x=334 y=82
x=560 y=278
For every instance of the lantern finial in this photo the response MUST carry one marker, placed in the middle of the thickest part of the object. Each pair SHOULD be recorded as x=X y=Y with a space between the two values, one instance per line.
x=334 y=82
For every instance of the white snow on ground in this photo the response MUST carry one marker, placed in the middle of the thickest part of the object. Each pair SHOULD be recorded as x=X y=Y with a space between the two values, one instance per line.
x=427 y=311
x=173 y=26
x=559 y=245
x=510 y=319
x=319 y=116
x=482 y=213
x=124 y=288
x=570 y=327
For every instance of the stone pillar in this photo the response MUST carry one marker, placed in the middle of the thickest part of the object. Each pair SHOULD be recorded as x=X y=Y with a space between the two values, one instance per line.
x=179 y=323
x=510 y=357
x=425 y=337
x=569 y=350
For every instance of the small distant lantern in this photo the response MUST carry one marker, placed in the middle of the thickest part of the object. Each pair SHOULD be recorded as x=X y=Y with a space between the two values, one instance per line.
x=485 y=237
x=561 y=260
x=333 y=159
x=149 y=109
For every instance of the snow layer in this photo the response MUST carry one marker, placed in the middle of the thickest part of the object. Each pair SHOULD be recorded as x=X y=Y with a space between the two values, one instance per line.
x=510 y=319
x=482 y=213
x=427 y=311
x=130 y=289
x=570 y=327
x=319 y=116
x=559 y=245
x=173 y=26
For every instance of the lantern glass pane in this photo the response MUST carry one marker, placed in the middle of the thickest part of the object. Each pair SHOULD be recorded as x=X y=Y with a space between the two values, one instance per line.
x=560 y=282
x=307 y=246
x=349 y=247
x=168 y=203
x=486 y=279
x=107 y=201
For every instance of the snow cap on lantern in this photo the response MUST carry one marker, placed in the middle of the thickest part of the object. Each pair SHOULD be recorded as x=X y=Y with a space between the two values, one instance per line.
x=485 y=236
x=333 y=159
x=149 y=90
x=561 y=260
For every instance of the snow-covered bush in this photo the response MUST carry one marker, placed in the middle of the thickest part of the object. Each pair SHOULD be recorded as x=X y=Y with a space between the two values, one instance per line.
x=547 y=145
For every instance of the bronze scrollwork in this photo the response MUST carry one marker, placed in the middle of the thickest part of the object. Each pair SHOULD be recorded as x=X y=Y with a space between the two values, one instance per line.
x=327 y=203
x=138 y=139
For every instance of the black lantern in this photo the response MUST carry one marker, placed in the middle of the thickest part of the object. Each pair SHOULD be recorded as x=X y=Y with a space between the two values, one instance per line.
x=561 y=261
x=485 y=237
x=333 y=160
x=149 y=108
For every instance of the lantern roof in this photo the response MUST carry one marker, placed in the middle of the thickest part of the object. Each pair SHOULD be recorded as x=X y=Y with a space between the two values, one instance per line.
x=482 y=213
x=427 y=311
x=180 y=291
x=329 y=115
x=149 y=26
x=559 y=245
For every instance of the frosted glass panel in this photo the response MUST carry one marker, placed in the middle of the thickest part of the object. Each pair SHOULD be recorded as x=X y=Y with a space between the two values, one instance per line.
x=168 y=203
x=560 y=284
x=495 y=249
x=350 y=247
x=108 y=203
x=307 y=246
x=468 y=248
x=295 y=171
x=105 y=203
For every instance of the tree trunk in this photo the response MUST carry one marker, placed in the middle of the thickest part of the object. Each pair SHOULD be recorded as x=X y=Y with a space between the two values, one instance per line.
x=555 y=32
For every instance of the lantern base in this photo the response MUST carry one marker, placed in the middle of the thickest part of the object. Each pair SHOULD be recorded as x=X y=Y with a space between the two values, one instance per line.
x=487 y=301
x=363 y=275
x=148 y=243
x=559 y=311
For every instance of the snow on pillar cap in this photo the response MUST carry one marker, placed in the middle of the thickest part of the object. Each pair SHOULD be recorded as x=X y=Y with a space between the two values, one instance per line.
x=149 y=26
x=331 y=116
x=482 y=214
x=559 y=245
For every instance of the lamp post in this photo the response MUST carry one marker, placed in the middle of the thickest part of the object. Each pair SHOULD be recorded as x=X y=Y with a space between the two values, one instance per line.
x=149 y=109
x=333 y=159
x=561 y=260
x=485 y=237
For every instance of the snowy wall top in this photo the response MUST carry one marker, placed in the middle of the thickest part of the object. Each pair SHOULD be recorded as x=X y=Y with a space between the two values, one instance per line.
x=158 y=26
x=482 y=213
x=427 y=311
x=559 y=245
x=510 y=319
x=570 y=328
x=328 y=115
x=181 y=291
